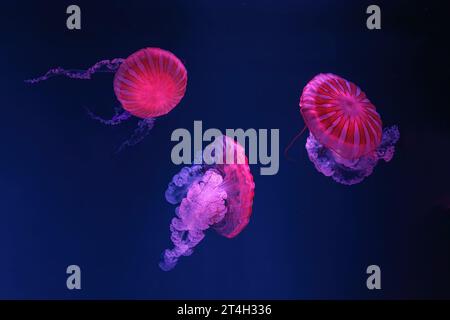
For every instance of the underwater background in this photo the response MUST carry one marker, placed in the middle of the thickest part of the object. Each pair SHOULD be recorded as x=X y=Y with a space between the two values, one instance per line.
x=67 y=198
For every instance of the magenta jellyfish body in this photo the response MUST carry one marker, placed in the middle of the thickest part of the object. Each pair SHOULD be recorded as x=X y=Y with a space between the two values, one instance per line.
x=218 y=196
x=346 y=139
x=148 y=84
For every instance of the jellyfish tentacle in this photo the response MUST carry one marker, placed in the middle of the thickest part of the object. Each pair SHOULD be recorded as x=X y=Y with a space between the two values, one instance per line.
x=142 y=130
x=292 y=142
x=119 y=116
x=101 y=66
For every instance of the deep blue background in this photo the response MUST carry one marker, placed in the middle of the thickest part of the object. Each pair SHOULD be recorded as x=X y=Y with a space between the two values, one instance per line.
x=66 y=198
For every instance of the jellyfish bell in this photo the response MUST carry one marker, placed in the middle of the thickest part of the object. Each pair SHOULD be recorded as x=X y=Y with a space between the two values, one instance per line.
x=346 y=137
x=148 y=84
x=218 y=196
x=340 y=116
x=238 y=181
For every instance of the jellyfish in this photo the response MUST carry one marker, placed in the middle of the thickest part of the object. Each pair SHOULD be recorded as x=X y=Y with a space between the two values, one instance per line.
x=148 y=84
x=346 y=139
x=218 y=195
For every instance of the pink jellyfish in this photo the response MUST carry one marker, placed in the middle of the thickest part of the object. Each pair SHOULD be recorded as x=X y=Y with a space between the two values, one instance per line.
x=346 y=139
x=218 y=195
x=148 y=84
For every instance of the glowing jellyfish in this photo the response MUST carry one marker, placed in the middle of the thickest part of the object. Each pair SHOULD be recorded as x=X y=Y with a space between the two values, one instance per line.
x=346 y=139
x=218 y=196
x=148 y=84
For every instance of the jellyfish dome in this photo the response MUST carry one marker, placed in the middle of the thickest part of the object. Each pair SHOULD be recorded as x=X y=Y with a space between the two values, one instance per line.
x=215 y=195
x=346 y=138
x=148 y=84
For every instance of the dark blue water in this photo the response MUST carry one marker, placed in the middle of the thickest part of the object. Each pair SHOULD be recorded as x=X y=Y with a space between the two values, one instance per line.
x=66 y=198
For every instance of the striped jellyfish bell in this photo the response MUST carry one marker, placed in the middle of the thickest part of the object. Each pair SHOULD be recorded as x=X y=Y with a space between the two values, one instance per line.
x=150 y=82
x=339 y=115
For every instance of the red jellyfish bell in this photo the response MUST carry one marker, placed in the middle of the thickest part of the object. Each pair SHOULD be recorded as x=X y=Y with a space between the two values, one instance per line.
x=238 y=182
x=150 y=82
x=340 y=116
x=346 y=139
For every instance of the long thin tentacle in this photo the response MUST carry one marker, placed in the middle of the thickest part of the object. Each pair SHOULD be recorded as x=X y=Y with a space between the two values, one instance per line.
x=142 y=130
x=291 y=144
x=120 y=116
x=101 y=66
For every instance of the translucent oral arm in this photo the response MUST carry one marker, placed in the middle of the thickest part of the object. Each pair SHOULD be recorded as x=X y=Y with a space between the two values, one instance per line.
x=203 y=206
x=356 y=170
x=181 y=182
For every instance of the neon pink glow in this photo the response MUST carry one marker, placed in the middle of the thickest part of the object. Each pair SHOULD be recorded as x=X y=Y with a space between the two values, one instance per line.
x=150 y=82
x=340 y=116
